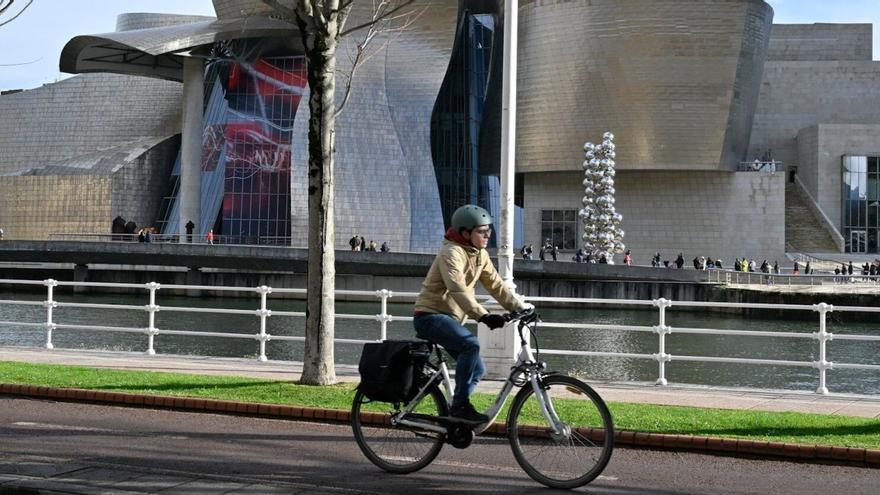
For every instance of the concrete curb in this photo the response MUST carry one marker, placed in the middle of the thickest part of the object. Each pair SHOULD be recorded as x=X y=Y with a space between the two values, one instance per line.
x=858 y=457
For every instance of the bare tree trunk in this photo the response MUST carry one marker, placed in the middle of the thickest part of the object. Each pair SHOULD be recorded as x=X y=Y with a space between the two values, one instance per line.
x=318 y=367
x=320 y=23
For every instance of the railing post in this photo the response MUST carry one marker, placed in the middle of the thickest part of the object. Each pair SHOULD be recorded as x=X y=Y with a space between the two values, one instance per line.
x=383 y=318
x=822 y=364
x=152 y=309
x=50 y=304
x=662 y=330
x=263 y=312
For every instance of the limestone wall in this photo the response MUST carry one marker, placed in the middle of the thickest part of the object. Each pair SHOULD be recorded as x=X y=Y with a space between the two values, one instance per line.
x=814 y=42
x=718 y=214
x=821 y=149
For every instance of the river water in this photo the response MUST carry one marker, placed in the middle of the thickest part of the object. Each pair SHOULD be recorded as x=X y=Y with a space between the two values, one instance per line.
x=590 y=368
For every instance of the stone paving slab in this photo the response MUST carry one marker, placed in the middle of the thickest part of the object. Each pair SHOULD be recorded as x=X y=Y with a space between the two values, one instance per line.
x=642 y=393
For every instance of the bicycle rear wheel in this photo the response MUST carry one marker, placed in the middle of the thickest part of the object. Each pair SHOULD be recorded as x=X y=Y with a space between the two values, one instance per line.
x=397 y=449
x=567 y=460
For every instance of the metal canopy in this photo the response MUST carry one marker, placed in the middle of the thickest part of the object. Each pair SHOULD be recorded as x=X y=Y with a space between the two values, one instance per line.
x=158 y=52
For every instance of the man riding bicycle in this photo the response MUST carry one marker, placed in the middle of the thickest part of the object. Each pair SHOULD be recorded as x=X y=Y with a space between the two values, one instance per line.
x=447 y=299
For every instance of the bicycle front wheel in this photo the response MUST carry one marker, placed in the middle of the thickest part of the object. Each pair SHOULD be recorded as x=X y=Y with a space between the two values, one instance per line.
x=397 y=448
x=578 y=453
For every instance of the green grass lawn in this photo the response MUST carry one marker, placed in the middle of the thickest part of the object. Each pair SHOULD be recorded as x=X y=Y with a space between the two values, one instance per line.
x=770 y=426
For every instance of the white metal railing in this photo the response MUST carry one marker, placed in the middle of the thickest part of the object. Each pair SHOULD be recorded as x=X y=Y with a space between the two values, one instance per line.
x=662 y=330
x=760 y=278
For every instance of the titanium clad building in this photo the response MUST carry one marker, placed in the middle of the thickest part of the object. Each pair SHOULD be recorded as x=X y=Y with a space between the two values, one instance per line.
x=692 y=90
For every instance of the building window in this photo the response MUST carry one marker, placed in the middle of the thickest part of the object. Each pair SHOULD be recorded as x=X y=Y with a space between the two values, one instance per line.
x=561 y=227
x=861 y=203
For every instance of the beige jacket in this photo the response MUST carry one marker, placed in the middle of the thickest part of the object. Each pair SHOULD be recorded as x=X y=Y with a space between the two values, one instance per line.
x=449 y=286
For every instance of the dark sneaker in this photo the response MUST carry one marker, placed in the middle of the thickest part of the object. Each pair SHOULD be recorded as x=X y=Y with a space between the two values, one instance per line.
x=466 y=412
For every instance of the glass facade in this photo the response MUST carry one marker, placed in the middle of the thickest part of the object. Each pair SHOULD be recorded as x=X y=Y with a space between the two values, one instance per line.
x=251 y=103
x=561 y=227
x=458 y=118
x=861 y=203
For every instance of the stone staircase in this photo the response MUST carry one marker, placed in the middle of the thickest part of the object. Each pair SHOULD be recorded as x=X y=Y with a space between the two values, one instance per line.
x=804 y=232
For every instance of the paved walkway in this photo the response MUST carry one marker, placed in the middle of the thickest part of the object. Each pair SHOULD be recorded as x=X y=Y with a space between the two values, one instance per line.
x=710 y=397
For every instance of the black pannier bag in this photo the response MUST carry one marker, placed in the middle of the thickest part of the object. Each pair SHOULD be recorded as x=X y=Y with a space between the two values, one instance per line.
x=388 y=369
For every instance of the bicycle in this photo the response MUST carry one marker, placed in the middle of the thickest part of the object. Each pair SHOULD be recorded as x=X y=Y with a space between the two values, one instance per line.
x=559 y=429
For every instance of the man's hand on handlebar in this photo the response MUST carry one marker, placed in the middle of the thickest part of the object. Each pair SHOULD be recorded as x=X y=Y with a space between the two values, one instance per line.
x=493 y=321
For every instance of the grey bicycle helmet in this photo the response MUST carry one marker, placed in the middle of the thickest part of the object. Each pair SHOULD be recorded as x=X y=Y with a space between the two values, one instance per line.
x=469 y=216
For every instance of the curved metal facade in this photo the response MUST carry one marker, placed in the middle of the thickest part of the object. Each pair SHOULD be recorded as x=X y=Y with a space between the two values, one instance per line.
x=230 y=9
x=676 y=80
x=142 y=20
x=385 y=184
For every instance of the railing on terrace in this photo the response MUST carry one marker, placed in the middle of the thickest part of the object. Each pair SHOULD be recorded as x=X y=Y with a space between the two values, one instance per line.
x=731 y=277
x=238 y=240
x=662 y=330
x=768 y=166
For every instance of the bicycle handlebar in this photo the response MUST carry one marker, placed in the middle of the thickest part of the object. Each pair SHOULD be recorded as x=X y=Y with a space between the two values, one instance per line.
x=527 y=314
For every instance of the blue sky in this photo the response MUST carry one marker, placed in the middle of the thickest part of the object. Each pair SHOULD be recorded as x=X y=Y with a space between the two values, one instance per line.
x=41 y=32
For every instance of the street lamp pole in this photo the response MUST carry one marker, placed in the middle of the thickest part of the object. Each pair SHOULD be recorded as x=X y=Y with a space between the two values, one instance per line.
x=508 y=144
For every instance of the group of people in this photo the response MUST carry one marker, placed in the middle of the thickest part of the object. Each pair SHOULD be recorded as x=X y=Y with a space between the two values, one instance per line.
x=766 y=163
x=747 y=265
x=547 y=249
x=868 y=269
x=358 y=243
x=146 y=234
x=658 y=261
x=712 y=263
x=581 y=256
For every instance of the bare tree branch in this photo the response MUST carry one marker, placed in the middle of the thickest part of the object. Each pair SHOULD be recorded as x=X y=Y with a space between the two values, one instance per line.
x=22 y=63
x=5 y=6
x=381 y=23
x=403 y=4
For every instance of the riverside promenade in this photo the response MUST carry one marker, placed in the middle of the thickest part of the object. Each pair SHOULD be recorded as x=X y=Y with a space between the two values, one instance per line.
x=643 y=393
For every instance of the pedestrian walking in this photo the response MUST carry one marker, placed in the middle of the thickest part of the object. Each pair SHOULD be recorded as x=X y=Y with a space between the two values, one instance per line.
x=189 y=231
x=354 y=242
x=627 y=258
x=210 y=237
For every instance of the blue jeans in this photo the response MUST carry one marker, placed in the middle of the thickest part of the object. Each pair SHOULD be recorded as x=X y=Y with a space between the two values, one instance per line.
x=461 y=344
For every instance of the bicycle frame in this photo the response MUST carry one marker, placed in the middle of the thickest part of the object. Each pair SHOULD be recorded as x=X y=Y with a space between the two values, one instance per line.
x=525 y=365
